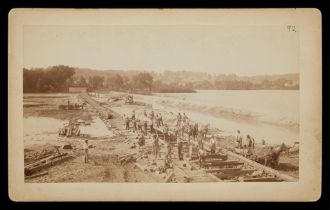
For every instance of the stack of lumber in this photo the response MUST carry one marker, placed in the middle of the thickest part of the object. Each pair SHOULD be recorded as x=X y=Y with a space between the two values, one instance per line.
x=45 y=163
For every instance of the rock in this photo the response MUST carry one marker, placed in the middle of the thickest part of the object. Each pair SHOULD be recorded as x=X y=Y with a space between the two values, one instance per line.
x=91 y=146
x=67 y=146
x=184 y=165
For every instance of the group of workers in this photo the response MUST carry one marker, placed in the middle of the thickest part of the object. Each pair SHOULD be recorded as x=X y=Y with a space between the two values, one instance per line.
x=247 y=144
x=185 y=132
x=141 y=127
x=185 y=129
x=189 y=130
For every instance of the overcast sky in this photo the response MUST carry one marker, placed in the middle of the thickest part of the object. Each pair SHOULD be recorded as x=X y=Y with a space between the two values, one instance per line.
x=243 y=50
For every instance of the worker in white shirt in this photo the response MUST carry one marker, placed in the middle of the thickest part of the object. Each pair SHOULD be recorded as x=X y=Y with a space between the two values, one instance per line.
x=213 y=144
x=239 y=139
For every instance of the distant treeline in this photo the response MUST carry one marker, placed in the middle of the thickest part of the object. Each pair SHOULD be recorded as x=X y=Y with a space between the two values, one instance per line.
x=53 y=79
x=60 y=78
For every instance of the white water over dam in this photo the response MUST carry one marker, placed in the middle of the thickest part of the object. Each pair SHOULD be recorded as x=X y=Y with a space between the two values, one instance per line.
x=272 y=115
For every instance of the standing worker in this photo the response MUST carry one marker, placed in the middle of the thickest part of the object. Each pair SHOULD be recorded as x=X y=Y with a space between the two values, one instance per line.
x=179 y=117
x=168 y=151
x=184 y=118
x=239 y=139
x=134 y=125
x=151 y=127
x=253 y=142
x=85 y=147
x=201 y=156
x=133 y=115
x=140 y=125
x=145 y=127
x=155 y=146
x=165 y=131
x=141 y=141
x=161 y=119
x=213 y=144
x=249 y=141
x=180 y=145
x=152 y=114
x=127 y=123
x=157 y=121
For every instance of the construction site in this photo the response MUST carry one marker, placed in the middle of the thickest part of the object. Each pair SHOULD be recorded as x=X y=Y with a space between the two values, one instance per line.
x=112 y=137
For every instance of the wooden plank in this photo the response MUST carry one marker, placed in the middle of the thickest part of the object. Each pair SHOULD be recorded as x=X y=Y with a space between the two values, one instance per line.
x=223 y=163
x=195 y=158
x=235 y=173
x=222 y=170
x=215 y=156
x=203 y=174
x=262 y=179
x=44 y=160
x=265 y=168
x=37 y=175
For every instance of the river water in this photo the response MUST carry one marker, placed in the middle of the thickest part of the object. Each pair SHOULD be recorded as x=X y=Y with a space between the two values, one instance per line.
x=272 y=115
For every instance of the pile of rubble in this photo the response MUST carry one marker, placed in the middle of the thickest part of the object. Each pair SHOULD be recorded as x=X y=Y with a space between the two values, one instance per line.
x=45 y=161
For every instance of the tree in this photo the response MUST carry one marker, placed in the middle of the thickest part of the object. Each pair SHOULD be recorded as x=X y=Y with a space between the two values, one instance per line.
x=95 y=82
x=143 y=81
x=82 y=82
x=115 y=82
x=53 y=79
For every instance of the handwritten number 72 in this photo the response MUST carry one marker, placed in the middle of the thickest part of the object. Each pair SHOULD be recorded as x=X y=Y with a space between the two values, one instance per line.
x=291 y=28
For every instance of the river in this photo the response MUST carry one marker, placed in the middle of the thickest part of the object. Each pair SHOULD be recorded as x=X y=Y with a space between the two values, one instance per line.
x=272 y=115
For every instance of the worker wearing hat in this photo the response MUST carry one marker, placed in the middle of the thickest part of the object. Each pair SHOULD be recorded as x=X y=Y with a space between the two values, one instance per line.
x=155 y=146
x=213 y=144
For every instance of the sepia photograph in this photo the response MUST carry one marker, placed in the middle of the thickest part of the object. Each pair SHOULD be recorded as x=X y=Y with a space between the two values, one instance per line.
x=124 y=99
